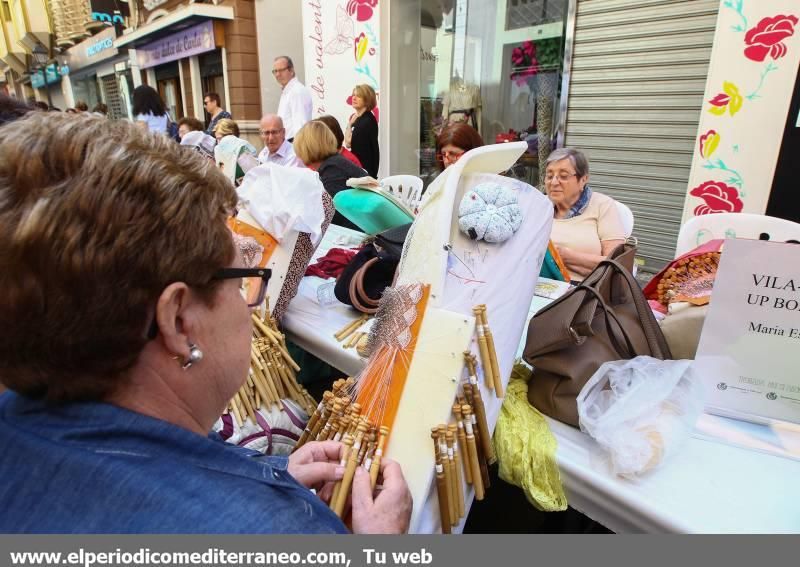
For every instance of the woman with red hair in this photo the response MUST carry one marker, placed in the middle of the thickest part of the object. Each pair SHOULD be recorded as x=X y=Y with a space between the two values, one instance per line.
x=454 y=141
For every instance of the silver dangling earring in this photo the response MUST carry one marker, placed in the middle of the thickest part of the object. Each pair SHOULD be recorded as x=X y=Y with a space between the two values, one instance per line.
x=195 y=355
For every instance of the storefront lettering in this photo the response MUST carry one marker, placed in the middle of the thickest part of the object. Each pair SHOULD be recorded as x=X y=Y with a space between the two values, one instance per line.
x=99 y=46
x=317 y=37
x=193 y=41
x=319 y=85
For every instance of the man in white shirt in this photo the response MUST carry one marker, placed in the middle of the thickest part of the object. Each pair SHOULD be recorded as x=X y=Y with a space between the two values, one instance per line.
x=276 y=148
x=295 y=105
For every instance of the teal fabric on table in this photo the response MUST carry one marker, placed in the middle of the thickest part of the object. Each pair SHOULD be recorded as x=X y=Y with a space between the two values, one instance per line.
x=371 y=211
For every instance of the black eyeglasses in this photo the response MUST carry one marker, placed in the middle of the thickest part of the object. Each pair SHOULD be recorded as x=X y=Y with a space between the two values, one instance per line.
x=253 y=288
x=254 y=282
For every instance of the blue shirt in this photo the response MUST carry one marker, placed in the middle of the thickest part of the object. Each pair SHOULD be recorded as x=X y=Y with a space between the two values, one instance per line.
x=98 y=468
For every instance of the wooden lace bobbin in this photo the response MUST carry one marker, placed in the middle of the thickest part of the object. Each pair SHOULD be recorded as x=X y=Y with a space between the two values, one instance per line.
x=372 y=446
x=498 y=378
x=237 y=403
x=450 y=473
x=462 y=443
x=472 y=452
x=291 y=383
x=476 y=401
x=369 y=441
x=350 y=328
x=262 y=384
x=439 y=443
x=353 y=419
x=327 y=412
x=332 y=421
x=479 y=413
x=237 y=412
x=257 y=372
x=281 y=373
x=342 y=419
x=244 y=402
x=310 y=424
x=441 y=493
x=268 y=377
x=481 y=455
x=483 y=347
x=350 y=469
x=375 y=466
x=452 y=449
x=342 y=430
x=348 y=445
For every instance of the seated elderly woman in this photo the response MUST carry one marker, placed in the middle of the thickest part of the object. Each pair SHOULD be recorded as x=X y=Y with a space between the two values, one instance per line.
x=123 y=334
x=586 y=224
x=316 y=146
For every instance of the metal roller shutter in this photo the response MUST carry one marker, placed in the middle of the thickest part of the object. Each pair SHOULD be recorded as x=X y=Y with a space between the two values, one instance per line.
x=636 y=89
x=112 y=97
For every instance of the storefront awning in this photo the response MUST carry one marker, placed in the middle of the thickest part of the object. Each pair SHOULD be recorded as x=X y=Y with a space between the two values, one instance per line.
x=174 y=22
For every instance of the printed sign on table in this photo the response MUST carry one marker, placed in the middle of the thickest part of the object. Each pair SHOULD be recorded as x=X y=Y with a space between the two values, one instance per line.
x=749 y=351
x=341 y=47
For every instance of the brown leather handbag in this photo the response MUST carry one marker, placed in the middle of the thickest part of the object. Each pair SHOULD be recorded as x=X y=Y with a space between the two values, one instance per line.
x=606 y=317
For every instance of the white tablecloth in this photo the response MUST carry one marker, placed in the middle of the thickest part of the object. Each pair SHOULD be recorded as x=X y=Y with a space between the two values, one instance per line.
x=708 y=487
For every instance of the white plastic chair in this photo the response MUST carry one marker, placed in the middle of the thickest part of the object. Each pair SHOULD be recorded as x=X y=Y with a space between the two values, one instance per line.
x=625 y=217
x=700 y=229
x=406 y=188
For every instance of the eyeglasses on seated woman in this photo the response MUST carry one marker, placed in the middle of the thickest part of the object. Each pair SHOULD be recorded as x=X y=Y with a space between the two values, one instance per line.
x=454 y=141
x=586 y=224
x=105 y=230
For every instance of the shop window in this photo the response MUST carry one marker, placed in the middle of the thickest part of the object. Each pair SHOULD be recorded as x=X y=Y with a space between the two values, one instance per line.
x=86 y=90
x=169 y=87
x=212 y=78
x=496 y=66
x=526 y=13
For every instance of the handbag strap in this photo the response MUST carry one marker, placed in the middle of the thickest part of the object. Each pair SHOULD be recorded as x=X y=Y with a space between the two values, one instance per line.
x=358 y=295
x=626 y=351
x=655 y=338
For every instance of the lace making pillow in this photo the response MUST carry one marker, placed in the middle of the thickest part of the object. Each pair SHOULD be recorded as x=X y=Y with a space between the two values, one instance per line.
x=489 y=212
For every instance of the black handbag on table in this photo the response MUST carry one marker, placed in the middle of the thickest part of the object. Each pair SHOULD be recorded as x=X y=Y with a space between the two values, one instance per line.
x=372 y=270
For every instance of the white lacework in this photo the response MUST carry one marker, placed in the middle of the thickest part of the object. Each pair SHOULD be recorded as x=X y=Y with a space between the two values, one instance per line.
x=252 y=251
x=397 y=311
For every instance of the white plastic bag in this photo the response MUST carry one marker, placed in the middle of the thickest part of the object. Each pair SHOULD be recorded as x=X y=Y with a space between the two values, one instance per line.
x=640 y=411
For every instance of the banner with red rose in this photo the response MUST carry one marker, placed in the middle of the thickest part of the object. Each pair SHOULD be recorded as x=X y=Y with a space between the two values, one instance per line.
x=750 y=80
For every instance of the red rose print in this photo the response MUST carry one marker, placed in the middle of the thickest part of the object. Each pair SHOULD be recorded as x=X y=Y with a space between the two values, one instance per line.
x=718 y=197
x=768 y=36
x=361 y=9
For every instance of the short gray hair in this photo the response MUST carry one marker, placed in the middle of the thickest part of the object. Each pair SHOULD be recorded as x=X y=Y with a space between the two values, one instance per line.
x=577 y=157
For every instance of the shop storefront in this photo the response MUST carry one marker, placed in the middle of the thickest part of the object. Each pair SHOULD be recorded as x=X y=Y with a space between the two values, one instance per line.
x=99 y=72
x=185 y=51
x=49 y=85
x=495 y=66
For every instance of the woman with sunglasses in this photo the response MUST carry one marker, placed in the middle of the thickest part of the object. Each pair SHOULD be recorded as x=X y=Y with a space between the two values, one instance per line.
x=454 y=141
x=586 y=224
x=124 y=331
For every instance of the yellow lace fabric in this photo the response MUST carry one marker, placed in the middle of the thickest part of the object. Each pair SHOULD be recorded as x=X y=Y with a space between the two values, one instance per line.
x=526 y=448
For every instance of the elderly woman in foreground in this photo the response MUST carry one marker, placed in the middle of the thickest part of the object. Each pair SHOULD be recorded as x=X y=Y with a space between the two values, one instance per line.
x=123 y=334
x=586 y=224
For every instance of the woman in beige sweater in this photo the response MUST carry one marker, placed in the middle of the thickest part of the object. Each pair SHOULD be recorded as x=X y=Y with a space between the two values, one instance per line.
x=586 y=224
